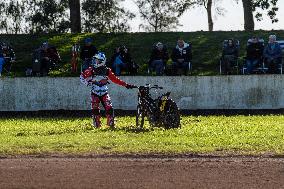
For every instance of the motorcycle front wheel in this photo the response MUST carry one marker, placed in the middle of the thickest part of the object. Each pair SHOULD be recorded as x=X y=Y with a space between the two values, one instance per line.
x=139 y=117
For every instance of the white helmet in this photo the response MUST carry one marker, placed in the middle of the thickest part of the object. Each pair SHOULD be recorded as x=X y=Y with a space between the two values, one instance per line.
x=99 y=60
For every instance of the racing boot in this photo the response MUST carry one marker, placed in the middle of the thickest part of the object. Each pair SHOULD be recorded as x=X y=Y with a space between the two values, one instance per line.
x=110 y=121
x=97 y=121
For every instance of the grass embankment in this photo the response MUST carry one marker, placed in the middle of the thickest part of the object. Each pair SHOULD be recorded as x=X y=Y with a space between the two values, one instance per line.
x=219 y=135
x=207 y=47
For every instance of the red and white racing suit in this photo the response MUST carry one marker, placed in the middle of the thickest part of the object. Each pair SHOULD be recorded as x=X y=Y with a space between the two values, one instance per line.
x=98 y=78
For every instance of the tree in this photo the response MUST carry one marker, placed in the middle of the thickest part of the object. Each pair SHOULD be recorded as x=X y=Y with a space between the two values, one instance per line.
x=251 y=6
x=269 y=5
x=160 y=15
x=46 y=16
x=12 y=16
x=105 y=16
x=248 y=15
x=208 y=5
x=75 y=16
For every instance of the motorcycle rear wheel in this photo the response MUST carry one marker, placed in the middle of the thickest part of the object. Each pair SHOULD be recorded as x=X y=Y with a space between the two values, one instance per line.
x=171 y=115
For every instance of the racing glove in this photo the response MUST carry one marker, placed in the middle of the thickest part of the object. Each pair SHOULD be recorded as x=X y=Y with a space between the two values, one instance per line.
x=130 y=86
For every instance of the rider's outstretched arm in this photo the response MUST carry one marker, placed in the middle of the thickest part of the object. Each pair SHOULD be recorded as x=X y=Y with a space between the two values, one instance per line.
x=115 y=79
x=118 y=81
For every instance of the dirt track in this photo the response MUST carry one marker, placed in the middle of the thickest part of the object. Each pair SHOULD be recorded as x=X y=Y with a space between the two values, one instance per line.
x=132 y=173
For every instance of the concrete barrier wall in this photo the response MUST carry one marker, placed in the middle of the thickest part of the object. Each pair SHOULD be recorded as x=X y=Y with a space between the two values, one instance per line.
x=206 y=92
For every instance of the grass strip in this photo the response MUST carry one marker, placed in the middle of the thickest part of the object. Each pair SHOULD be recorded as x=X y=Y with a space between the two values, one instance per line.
x=234 y=135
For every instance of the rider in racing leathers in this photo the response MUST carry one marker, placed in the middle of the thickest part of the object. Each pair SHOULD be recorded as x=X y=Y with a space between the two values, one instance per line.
x=98 y=76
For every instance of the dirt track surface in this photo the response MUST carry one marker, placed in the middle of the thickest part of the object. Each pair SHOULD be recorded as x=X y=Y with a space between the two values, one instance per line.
x=132 y=173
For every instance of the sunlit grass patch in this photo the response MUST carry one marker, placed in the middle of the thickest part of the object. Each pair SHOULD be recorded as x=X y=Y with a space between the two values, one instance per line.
x=249 y=135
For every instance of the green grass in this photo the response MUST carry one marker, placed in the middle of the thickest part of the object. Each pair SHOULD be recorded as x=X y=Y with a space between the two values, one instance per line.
x=219 y=135
x=207 y=47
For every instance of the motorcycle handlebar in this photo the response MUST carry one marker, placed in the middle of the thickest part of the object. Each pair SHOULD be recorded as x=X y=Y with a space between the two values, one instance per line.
x=154 y=87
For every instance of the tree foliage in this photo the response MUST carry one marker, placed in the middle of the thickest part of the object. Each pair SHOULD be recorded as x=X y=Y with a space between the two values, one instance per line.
x=258 y=6
x=12 y=16
x=269 y=5
x=33 y=16
x=160 y=15
x=46 y=16
x=105 y=16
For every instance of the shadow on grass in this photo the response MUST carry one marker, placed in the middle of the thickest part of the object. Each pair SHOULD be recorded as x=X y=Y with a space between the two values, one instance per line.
x=130 y=129
x=75 y=114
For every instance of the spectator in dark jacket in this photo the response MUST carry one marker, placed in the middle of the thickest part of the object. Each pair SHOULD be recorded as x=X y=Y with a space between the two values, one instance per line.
x=131 y=66
x=272 y=54
x=87 y=52
x=48 y=58
x=181 y=57
x=2 y=62
x=8 y=55
x=158 y=59
x=254 y=54
x=122 y=61
x=229 y=56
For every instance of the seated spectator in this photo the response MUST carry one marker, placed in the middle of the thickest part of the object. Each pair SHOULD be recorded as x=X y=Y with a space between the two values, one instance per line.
x=254 y=54
x=122 y=61
x=45 y=58
x=158 y=59
x=87 y=52
x=229 y=56
x=272 y=55
x=131 y=66
x=181 y=57
x=2 y=62
x=9 y=56
x=49 y=58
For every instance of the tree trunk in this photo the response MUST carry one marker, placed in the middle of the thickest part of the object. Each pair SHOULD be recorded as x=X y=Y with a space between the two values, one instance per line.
x=248 y=15
x=209 y=15
x=75 y=16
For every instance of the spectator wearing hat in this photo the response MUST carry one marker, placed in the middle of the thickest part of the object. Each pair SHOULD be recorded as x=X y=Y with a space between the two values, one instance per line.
x=87 y=52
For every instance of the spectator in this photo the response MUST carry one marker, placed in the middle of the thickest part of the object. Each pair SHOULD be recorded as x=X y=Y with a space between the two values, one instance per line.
x=49 y=58
x=131 y=66
x=44 y=58
x=181 y=57
x=36 y=63
x=75 y=56
x=254 y=54
x=87 y=52
x=122 y=61
x=9 y=56
x=229 y=56
x=272 y=55
x=158 y=59
x=2 y=62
